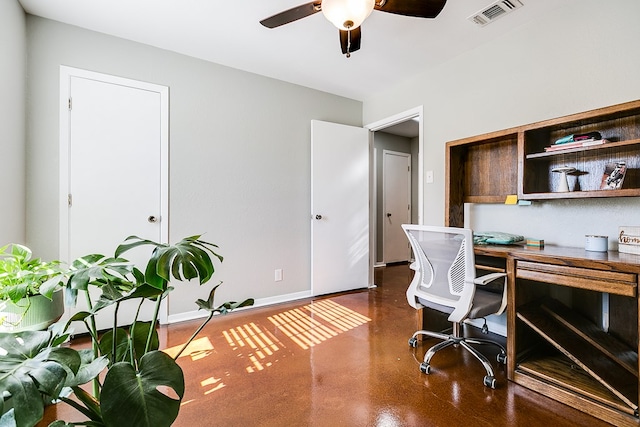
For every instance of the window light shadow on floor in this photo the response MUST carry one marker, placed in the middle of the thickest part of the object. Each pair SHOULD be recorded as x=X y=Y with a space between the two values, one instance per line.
x=260 y=344
x=317 y=322
x=197 y=349
x=306 y=326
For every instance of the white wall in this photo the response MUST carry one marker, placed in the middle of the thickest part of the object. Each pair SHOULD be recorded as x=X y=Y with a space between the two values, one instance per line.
x=583 y=57
x=13 y=43
x=239 y=156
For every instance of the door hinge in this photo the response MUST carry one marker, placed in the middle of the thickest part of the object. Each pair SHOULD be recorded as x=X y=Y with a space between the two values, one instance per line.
x=69 y=200
x=69 y=103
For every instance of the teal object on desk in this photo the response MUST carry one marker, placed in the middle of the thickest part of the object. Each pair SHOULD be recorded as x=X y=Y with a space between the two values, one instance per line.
x=495 y=238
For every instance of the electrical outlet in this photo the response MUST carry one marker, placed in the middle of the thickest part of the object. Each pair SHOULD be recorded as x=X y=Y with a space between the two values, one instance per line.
x=278 y=275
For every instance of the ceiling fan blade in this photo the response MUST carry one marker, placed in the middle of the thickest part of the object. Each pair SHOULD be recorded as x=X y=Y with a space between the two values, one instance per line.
x=417 y=8
x=292 y=14
x=350 y=42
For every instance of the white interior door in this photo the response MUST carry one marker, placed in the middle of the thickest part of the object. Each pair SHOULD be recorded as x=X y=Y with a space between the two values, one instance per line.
x=396 y=175
x=115 y=179
x=339 y=207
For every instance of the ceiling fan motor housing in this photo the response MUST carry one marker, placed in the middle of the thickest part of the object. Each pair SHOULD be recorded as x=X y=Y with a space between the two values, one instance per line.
x=347 y=14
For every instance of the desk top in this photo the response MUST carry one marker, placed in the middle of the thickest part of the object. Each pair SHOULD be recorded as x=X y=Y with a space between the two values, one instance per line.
x=561 y=255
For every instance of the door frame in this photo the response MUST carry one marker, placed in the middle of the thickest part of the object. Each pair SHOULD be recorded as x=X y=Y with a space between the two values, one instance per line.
x=66 y=74
x=416 y=112
x=384 y=196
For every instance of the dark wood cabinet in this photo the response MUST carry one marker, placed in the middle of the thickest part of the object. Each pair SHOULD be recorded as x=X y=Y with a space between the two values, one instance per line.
x=573 y=330
x=572 y=326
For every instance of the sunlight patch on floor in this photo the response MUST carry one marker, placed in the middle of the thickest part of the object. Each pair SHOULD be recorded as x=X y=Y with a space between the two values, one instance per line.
x=317 y=322
x=337 y=315
x=197 y=349
x=215 y=382
x=261 y=345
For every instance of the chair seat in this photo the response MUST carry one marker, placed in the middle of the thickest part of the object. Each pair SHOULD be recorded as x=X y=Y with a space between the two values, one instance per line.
x=484 y=304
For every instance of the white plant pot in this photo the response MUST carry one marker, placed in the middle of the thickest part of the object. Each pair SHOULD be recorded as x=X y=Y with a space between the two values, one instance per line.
x=36 y=314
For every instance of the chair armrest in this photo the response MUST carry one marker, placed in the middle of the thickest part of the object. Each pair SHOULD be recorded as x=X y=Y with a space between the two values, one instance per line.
x=488 y=278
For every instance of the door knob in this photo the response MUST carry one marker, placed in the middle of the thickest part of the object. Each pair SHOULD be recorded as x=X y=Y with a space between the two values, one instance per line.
x=152 y=219
x=318 y=216
x=388 y=215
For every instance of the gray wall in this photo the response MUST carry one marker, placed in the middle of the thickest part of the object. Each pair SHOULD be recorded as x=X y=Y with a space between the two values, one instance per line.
x=584 y=56
x=13 y=45
x=239 y=156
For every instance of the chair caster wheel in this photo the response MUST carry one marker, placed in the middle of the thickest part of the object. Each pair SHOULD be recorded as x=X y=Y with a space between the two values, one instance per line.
x=501 y=358
x=489 y=382
x=425 y=368
x=413 y=342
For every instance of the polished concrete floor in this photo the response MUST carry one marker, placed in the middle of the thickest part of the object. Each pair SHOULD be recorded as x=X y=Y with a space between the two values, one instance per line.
x=342 y=361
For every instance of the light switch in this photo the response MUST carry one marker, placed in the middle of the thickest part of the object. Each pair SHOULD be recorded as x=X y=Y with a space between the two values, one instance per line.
x=429 y=177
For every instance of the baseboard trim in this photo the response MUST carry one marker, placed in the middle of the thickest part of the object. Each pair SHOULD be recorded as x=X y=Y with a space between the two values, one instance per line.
x=261 y=302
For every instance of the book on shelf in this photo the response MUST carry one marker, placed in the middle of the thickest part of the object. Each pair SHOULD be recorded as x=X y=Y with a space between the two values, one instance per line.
x=613 y=176
x=579 y=137
x=577 y=144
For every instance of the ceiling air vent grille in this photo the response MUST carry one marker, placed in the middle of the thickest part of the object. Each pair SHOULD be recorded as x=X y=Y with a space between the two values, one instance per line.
x=494 y=11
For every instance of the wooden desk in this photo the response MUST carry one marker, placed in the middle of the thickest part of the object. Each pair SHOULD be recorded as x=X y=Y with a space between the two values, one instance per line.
x=572 y=328
x=572 y=325
x=585 y=282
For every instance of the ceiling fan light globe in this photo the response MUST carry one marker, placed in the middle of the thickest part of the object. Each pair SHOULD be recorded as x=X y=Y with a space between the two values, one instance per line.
x=347 y=14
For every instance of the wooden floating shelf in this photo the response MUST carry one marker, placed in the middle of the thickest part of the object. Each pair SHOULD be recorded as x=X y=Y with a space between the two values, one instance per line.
x=580 y=149
x=625 y=192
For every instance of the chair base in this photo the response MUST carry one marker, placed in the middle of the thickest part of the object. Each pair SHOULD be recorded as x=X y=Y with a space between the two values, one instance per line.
x=457 y=339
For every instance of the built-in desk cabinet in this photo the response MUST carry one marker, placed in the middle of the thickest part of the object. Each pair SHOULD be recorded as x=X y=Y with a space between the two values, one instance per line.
x=572 y=325
x=487 y=168
x=573 y=329
x=572 y=315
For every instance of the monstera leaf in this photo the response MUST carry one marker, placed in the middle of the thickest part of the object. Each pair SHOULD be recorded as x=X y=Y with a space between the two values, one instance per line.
x=149 y=397
x=135 y=340
x=188 y=259
x=30 y=368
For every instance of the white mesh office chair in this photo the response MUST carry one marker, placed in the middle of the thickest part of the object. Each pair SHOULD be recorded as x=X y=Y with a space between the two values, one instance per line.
x=445 y=280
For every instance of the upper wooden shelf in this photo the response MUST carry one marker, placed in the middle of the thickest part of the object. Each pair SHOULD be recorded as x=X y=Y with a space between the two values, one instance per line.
x=489 y=167
x=608 y=145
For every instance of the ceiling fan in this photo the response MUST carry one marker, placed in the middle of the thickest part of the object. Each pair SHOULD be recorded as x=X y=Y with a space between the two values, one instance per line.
x=348 y=15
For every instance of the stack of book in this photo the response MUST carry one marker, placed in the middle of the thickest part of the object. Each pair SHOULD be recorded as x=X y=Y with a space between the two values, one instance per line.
x=577 y=141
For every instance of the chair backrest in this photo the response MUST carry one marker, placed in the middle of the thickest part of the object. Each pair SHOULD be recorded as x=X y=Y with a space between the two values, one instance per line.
x=445 y=267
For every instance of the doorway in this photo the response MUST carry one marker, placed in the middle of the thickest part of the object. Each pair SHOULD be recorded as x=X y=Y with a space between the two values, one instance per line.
x=402 y=132
x=114 y=169
x=396 y=205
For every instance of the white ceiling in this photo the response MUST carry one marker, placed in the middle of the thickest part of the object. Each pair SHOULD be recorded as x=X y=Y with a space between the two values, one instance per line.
x=305 y=52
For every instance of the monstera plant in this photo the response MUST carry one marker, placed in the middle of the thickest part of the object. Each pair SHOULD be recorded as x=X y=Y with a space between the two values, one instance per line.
x=142 y=386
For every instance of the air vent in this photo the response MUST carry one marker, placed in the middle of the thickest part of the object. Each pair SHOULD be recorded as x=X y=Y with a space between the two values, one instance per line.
x=494 y=11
